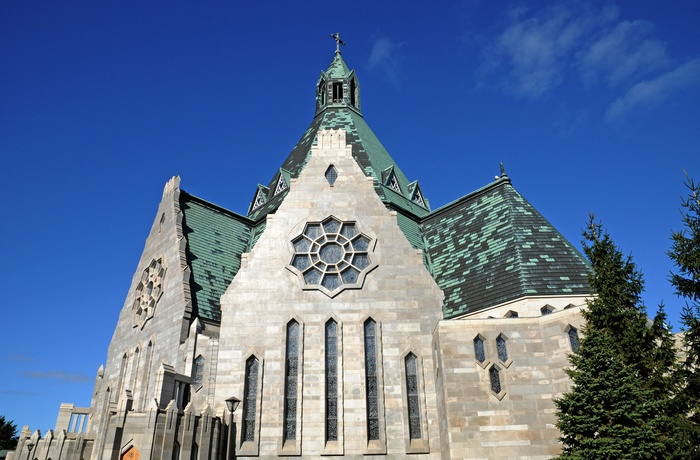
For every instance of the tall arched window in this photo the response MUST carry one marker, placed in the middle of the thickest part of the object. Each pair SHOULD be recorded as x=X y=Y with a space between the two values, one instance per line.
x=290 y=384
x=250 y=397
x=371 y=380
x=331 y=381
x=414 y=430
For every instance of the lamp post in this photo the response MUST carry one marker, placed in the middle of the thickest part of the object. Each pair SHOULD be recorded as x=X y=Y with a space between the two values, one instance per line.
x=232 y=404
x=30 y=446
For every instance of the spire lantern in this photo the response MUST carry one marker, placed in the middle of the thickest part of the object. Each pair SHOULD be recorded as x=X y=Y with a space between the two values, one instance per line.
x=338 y=85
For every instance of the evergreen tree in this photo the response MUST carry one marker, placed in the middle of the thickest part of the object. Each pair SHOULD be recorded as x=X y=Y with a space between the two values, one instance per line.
x=685 y=253
x=8 y=434
x=610 y=412
x=618 y=405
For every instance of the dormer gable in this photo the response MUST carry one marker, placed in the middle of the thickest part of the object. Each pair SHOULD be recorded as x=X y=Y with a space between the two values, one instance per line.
x=390 y=180
x=282 y=183
x=260 y=197
x=416 y=195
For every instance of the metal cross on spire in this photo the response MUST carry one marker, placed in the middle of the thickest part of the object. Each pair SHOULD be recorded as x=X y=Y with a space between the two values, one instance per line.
x=338 y=41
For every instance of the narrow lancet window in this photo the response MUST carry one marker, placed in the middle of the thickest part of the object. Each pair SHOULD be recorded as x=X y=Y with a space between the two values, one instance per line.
x=331 y=381
x=573 y=338
x=250 y=398
x=479 y=351
x=495 y=378
x=371 y=380
x=198 y=372
x=337 y=92
x=414 y=430
x=502 y=348
x=290 y=385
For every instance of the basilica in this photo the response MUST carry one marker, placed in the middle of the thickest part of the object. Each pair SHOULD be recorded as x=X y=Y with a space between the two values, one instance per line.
x=339 y=316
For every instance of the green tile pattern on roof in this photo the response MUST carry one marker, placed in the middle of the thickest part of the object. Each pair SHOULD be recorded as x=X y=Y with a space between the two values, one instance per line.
x=369 y=153
x=216 y=238
x=338 y=68
x=492 y=246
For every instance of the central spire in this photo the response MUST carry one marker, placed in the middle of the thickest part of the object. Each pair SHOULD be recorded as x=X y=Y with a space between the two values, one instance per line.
x=338 y=85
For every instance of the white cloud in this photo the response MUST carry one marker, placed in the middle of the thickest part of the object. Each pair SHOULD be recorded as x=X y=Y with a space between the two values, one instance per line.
x=536 y=50
x=622 y=52
x=58 y=375
x=533 y=50
x=384 y=56
x=656 y=90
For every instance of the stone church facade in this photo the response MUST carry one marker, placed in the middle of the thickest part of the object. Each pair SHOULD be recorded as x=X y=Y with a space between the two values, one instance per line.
x=348 y=317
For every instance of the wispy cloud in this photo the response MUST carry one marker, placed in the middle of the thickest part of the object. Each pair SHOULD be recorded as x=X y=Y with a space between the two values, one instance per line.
x=653 y=91
x=58 y=375
x=385 y=57
x=535 y=51
x=19 y=393
x=621 y=52
x=531 y=55
x=21 y=358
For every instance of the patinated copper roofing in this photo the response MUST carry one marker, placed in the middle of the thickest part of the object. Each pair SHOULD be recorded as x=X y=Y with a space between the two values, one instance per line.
x=486 y=248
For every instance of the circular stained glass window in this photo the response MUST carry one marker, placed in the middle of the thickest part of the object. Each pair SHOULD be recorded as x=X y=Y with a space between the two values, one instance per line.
x=331 y=256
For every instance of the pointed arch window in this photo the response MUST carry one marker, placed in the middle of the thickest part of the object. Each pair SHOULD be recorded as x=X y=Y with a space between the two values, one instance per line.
x=250 y=398
x=413 y=395
x=479 y=349
x=502 y=348
x=353 y=93
x=337 y=91
x=495 y=378
x=573 y=338
x=371 y=380
x=331 y=381
x=322 y=93
x=290 y=384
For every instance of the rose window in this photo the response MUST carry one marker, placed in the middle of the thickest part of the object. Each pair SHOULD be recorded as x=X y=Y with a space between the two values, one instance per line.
x=331 y=256
x=148 y=292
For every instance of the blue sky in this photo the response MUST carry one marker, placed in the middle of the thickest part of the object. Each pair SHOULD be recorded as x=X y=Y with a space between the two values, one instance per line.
x=590 y=106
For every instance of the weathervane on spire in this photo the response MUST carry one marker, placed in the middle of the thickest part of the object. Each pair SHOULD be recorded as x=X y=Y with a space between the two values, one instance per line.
x=338 y=41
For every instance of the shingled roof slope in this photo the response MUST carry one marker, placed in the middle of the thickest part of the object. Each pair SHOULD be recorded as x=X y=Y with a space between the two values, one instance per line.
x=216 y=238
x=492 y=246
x=369 y=153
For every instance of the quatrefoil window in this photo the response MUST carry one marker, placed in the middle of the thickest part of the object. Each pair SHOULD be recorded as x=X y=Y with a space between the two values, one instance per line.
x=148 y=292
x=332 y=256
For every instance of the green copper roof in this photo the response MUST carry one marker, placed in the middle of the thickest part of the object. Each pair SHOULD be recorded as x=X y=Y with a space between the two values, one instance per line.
x=484 y=249
x=216 y=238
x=492 y=246
x=369 y=153
x=337 y=69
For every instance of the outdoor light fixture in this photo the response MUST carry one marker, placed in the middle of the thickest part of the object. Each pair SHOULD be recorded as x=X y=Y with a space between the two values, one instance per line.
x=232 y=404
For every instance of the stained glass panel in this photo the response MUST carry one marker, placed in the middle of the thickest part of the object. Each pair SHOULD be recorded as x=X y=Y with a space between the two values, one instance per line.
x=331 y=172
x=332 y=226
x=413 y=397
x=371 y=381
x=502 y=348
x=573 y=339
x=495 y=379
x=331 y=381
x=479 y=350
x=290 y=389
x=250 y=394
